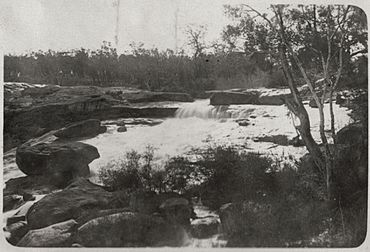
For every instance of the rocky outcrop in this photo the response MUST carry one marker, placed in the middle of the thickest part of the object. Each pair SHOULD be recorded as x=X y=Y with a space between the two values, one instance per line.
x=351 y=168
x=11 y=202
x=29 y=184
x=57 y=235
x=21 y=214
x=205 y=227
x=16 y=231
x=276 y=139
x=87 y=128
x=252 y=96
x=40 y=110
x=128 y=229
x=352 y=134
x=146 y=96
x=228 y=98
x=74 y=201
x=277 y=100
x=60 y=162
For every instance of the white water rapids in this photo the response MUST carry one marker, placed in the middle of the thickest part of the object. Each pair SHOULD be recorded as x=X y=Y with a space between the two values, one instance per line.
x=198 y=124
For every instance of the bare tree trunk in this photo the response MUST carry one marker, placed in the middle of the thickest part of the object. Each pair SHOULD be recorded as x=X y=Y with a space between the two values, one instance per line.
x=324 y=162
x=295 y=105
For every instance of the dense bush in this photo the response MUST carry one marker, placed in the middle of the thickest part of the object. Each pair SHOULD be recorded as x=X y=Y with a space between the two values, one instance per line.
x=143 y=68
x=275 y=204
x=134 y=172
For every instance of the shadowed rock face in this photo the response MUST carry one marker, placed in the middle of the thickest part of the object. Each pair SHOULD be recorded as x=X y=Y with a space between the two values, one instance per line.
x=227 y=98
x=145 y=96
x=35 y=111
x=56 y=161
x=87 y=128
x=352 y=134
x=128 y=229
x=247 y=97
x=57 y=235
x=74 y=201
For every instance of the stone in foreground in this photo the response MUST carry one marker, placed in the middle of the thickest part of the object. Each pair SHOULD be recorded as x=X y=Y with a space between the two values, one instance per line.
x=76 y=200
x=59 y=162
x=57 y=235
x=128 y=229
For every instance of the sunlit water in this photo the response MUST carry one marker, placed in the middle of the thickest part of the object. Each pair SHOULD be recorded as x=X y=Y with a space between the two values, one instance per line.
x=199 y=125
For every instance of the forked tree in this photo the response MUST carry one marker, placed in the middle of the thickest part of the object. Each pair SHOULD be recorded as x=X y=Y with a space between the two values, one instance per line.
x=310 y=43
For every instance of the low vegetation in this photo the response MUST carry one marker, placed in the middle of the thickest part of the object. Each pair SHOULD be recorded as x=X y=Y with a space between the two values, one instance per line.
x=290 y=199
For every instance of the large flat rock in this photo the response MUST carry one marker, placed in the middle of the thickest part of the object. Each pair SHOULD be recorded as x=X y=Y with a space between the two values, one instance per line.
x=57 y=161
x=73 y=202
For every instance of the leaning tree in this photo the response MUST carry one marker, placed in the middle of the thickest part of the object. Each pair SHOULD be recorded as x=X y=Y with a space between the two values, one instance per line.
x=314 y=45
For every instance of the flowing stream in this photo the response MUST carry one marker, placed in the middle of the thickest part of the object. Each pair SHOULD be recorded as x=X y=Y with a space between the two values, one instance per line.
x=199 y=125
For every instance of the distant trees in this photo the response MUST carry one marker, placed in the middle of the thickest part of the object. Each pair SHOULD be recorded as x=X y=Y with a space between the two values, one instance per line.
x=246 y=56
x=196 y=36
x=150 y=69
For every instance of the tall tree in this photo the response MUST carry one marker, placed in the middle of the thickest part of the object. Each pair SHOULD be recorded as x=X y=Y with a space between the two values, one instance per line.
x=309 y=43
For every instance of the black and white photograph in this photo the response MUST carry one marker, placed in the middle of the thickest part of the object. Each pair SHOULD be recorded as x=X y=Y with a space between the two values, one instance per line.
x=193 y=124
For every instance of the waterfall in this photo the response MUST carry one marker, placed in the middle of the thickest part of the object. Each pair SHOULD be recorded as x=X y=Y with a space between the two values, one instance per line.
x=202 y=109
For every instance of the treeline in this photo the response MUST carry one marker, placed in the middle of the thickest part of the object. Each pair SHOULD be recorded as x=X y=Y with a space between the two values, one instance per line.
x=156 y=70
x=144 y=68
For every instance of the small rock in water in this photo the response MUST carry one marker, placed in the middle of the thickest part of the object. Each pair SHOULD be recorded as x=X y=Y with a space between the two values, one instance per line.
x=87 y=128
x=28 y=197
x=243 y=123
x=296 y=142
x=122 y=129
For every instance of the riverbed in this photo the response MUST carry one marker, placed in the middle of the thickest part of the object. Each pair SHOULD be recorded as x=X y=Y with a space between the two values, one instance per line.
x=199 y=125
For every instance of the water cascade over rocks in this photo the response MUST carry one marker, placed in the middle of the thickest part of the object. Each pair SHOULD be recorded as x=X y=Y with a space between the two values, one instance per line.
x=202 y=109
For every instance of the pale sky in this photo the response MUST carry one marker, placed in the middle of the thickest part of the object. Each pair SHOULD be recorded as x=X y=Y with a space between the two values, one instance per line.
x=28 y=25
x=65 y=24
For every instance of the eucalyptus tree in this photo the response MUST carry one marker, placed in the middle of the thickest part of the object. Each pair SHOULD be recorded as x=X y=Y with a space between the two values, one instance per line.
x=312 y=44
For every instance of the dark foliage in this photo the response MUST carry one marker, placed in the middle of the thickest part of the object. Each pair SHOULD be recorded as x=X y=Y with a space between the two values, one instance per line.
x=143 y=68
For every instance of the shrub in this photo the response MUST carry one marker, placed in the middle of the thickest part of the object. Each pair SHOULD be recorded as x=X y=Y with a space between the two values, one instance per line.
x=275 y=204
x=134 y=172
x=119 y=175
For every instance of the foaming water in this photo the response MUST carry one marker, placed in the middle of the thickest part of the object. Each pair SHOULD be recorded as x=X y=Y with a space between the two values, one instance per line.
x=197 y=125
x=202 y=109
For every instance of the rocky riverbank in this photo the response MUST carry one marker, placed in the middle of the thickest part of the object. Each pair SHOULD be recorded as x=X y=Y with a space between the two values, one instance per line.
x=57 y=205
x=32 y=110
